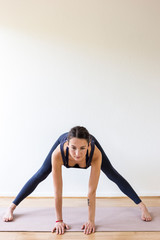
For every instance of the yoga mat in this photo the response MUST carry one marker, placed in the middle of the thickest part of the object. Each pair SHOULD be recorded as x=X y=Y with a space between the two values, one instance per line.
x=107 y=219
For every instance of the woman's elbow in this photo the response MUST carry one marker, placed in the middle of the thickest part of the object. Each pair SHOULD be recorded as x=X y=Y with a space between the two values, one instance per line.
x=58 y=194
x=92 y=193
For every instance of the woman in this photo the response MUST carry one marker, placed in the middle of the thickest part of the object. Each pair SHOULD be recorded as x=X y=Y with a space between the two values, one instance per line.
x=76 y=149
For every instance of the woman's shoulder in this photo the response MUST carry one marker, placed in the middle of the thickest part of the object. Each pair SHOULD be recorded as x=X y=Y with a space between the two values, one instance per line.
x=97 y=152
x=56 y=156
x=97 y=156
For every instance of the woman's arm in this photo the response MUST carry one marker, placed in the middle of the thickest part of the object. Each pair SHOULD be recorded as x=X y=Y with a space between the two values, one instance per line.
x=93 y=183
x=91 y=200
x=57 y=183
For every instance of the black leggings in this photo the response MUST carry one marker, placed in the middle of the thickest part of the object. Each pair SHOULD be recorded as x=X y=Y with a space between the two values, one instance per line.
x=106 y=167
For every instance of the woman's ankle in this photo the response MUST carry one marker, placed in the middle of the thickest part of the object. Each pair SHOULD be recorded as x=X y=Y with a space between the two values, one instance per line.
x=12 y=206
x=141 y=205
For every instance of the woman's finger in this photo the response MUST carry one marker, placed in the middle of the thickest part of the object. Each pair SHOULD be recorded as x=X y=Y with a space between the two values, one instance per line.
x=88 y=230
x=60 y=230
x=53 y=229
x=67 y=226
x=83 y=227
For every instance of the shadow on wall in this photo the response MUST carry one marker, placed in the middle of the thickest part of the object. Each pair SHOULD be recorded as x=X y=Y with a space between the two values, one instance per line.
x=101 y=24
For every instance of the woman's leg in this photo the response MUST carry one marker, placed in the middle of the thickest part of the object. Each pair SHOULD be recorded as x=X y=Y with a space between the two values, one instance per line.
x=114 y=176
x=38 y=177
x=124 y=186
x=32 y=183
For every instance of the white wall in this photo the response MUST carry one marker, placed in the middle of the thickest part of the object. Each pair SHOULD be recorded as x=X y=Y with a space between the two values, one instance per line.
x=89 y=62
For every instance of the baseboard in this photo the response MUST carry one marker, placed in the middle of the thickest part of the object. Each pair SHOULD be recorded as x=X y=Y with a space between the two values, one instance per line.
x=80 y=197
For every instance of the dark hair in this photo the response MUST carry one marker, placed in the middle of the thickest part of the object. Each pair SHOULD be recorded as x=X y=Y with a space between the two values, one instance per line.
x=79 y=132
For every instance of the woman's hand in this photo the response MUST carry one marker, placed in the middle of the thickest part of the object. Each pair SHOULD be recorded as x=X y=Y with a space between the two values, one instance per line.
x=88 y=227
x=59 y=227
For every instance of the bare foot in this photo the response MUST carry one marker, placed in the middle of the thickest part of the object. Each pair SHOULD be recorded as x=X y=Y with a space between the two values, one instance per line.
x=8 y=216
x=145 y=215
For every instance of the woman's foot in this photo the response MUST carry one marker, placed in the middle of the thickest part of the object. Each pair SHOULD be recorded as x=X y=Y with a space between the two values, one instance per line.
x=145 y=215
x=8 y=216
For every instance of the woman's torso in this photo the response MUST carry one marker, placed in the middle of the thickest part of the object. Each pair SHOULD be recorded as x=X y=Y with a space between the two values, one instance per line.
x=64 y=150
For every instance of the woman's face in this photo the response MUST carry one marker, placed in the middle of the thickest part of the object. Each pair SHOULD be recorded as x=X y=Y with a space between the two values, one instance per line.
x=78 y=148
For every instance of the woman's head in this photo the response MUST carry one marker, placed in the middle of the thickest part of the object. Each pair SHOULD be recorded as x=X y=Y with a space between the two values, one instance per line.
x=79 y=132
x=78 y=142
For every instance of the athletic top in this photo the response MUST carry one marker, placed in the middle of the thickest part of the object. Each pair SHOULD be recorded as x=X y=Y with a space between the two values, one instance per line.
x=65 y=158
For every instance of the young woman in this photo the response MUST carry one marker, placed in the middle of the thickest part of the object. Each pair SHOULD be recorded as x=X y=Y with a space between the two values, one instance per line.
x=76 y=149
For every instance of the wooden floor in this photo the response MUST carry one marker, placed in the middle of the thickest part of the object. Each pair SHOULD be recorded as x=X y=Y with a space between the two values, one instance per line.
x=74 y=202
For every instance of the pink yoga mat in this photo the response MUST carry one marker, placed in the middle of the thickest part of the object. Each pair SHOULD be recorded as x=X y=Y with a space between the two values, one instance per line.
x=107 y=219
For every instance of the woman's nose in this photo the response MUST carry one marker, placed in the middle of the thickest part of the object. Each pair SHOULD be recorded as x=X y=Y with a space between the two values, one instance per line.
x=77 y=152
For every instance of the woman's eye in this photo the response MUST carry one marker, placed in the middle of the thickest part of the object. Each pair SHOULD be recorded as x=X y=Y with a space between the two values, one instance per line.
x=75 y=148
